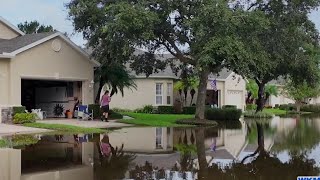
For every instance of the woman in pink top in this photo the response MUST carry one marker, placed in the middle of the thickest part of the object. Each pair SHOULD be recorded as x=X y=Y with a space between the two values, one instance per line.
x=105 y=100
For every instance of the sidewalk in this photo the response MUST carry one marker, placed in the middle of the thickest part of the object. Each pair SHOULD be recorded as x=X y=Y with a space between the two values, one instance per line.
x=85 y=123
x=7 y=129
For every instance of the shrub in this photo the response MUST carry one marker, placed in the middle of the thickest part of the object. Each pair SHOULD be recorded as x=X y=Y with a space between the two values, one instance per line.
x=229 y=106
x=97 y=113
x=287 y=107
x=189 y=110
x=268 y=107
x=223 y=114
x=253 y=114
x=315 y=108
x=165 y=110
x=18 y=109
x=21 y=118
x=119 y=110
x=251 y=107
x=276 y=106
x=114 y=115
x=147 y=109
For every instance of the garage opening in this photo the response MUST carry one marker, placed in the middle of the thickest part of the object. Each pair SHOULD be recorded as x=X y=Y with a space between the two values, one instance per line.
x=53 y=97
x=213 y=98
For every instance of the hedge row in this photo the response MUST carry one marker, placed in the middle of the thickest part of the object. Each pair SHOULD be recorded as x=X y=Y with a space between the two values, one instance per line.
x=315 y=108
x=97 y=112
x=223 y=113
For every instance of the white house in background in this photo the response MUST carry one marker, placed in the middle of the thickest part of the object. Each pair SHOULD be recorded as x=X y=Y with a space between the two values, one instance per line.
x=157 y=90
x=42 y=70
x=282 y=99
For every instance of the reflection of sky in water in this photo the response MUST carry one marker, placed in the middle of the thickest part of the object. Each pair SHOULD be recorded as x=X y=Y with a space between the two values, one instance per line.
x=313 y=154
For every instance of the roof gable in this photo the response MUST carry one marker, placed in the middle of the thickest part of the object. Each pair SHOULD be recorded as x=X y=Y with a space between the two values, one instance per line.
x=17 y=45
x=11 y=27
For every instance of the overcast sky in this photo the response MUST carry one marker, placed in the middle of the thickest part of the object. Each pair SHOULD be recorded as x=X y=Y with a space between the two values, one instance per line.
x=53 y=12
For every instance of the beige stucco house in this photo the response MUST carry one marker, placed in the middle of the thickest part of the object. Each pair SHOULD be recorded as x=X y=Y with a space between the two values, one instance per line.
x=158 y=90
x=42 y=70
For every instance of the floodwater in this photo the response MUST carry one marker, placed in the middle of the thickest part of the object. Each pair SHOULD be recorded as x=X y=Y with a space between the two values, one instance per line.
x=281 y=148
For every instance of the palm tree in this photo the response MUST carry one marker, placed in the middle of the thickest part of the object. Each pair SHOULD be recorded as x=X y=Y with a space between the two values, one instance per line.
x=116 y=77
x=252 y=89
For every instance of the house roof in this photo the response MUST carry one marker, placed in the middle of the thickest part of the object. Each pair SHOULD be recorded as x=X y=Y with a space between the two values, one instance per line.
x=11 y=26
x=9 y=48
x=11 y=45
x=222 y=75
x=167 y=72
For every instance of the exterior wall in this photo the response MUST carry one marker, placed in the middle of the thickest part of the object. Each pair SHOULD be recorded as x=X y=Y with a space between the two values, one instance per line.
x=280 y=99
x=6 y=32
x=4 y=82
x=42 y=63
x=76 y=173
x=145 y=94
x=220 y=87
x=235 y=89
x=142 y=140
x=10 y=164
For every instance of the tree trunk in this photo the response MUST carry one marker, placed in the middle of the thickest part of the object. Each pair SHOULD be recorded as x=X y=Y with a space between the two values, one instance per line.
x=202 y=94
x=260 y=136
x=261 y=100
x=97 y=100
x=298 y=105
x=201 y=153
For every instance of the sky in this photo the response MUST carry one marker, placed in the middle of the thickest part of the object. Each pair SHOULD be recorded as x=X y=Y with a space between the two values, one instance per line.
x=53 y=12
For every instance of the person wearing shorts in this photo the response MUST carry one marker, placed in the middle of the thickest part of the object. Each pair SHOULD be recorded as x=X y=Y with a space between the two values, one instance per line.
x=105 y=100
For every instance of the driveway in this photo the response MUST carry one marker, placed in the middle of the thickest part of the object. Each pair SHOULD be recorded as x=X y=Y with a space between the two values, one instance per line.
x=8 y=129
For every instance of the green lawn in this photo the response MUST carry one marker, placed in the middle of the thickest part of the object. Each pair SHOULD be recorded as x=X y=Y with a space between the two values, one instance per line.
x=158 y=120
x=276 y=112
x=65 y=128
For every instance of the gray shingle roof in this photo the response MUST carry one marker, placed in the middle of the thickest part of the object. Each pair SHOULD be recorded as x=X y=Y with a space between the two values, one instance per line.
x=11 y=45
x=223 y=74
x=167 y=73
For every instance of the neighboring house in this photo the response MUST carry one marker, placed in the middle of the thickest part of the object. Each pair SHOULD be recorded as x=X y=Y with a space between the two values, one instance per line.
x=280 y=98
x=42 y=70
x=158 y=90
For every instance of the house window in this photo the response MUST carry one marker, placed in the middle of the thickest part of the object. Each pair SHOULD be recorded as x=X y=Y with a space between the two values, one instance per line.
x=159 y=94
x=169 y=93
x=159 y=138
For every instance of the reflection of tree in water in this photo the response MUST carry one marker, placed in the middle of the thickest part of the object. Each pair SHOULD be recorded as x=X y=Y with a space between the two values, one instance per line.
x=304 y=136
x=265 y=165
x=114 y=166
x=147 y=172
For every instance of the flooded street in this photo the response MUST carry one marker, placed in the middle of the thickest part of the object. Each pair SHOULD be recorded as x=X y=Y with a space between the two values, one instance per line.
x=281 y=148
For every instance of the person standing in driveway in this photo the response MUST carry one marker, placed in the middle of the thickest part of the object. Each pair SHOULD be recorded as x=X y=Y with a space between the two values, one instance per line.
x=105 y=100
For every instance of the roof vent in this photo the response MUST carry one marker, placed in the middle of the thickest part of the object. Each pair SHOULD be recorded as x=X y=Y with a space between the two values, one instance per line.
x=56 y=45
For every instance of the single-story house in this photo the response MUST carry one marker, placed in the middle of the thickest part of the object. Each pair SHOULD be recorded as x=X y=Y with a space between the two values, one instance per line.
x=280 y=98
x=158 y=90
x=42 y=70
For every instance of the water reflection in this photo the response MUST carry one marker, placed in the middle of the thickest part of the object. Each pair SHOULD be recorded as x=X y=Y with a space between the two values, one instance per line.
x=278 y=149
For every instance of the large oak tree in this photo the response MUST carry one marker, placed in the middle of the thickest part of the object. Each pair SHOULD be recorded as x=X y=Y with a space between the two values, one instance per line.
x=197 y=33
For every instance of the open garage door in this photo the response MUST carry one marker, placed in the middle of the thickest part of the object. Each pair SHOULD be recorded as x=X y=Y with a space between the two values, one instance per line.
x=50 y=95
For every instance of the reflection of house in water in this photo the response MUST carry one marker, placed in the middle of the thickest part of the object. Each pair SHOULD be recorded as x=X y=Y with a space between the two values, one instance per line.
x=52 y=158
x=143 y=140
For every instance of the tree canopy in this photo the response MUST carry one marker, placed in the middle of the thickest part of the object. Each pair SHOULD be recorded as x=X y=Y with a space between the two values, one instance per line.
x=261 y=40
x=198 y=33
x=281 y=47
x=34 y=27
